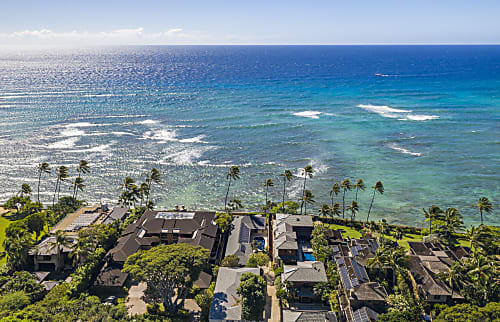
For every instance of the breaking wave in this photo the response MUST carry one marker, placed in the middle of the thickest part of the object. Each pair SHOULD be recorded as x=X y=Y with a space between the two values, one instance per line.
x=309 y=114
x=396 y=113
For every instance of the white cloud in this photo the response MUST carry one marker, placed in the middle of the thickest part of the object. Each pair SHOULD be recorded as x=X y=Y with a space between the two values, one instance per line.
x=132 y=36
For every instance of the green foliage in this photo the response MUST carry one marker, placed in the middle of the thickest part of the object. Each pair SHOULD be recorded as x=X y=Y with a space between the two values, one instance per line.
x=36 y=223
x=204 y=301
x=291 y=207
x=17 y=248
x=14 y=301
x=84 y=275
x=64 y=206
x=230 y=261
x=165 y=269
x=257 y=259
x=470 y=313
x=223 y=221
x=319 y=243
x=252 y=290
x=25 y=282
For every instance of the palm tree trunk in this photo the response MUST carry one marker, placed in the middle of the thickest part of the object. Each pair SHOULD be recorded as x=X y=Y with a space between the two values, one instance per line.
x=343 y=205
x=357 y=189
x=39 y=178
x=227 y=194
x=265 y=207
x=430 y=224
x=55 y=192
x=481 y=211
x=284 y=191
x=149 y=191
x=303 y=192
x=369 y=209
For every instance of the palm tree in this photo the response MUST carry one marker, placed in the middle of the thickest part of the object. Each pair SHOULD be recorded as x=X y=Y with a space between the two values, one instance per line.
x=453 y=223
x=25 y=190
x=83 y=167
x=235 y=204
x=130 y=192
x=267 y=184
x=475 y=235
x=452 y=276
x=336 y=209
x=346 y=185
x=17 y=248
x=62 y=175
x=325 y=210
x=60 y=241
x=144 y=191
x=80 y=251
x=42 y=168
x=287 y=176
x=154 y=177
x=77 y=186
x=353 y=208
x=334 y=190
x=360 y=185
x=308 y=198
x=378 y=187
x=306 y=172
x=128 y=182
x=434 y=213
x=233 y=174
x=484 y=204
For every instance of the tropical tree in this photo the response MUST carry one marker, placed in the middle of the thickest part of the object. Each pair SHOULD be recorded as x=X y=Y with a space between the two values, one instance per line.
x=378 y=187
x=42 y=168
x=17 y=247
x=307 y=172
x=252 y=290
x=143 y=191
x=130 y=192
x=484 y=204
x=325 y=210
x=25 y=190
x=359 y=185
x=346 y=185
x=319 y=243
x=36 y=223
x=334 y=190
x=353 y=208
x=169 y=272
x=434 y=213
x=153 y=177
x=307 y=198
x=267 y=184
x=78 y=185
x=81 y=251
x=287 y=176
x=233 y=174
x=451 y=222
x=452 y=276
x=83 y=167
x=62 y=176
x=59 y=243
x=336 y=209
x=223 y=221
x=234 y=204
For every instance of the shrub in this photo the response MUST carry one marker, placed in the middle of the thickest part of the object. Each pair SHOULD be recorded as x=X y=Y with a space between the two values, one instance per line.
x=257 y=259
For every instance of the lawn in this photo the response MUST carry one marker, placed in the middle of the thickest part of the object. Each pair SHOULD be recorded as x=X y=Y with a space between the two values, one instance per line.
x=353 y=233
x=4 y=222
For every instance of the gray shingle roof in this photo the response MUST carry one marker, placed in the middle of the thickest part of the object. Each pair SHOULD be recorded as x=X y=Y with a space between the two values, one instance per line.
x=226 y=302
x=313 y=272
x=239 y=242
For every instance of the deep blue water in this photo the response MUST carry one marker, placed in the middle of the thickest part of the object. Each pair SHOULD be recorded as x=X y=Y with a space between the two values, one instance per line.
x=427 y=126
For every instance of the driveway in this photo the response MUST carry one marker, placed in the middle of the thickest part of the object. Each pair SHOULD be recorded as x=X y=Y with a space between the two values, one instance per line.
x=135 y=304
x=272 y=308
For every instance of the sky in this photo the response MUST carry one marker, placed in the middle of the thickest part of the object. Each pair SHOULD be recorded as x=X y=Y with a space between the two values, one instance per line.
x=149 y=22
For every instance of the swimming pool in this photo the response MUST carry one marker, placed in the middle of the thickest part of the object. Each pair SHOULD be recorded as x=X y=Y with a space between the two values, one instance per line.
x=261 y=243
x=309 y=257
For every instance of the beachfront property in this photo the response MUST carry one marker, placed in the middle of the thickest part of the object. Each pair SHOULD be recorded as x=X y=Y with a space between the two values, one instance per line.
x=358 y=295
x=46 y=257
x=301 y=279
x=427 y=261
x=247 y=232
x=289 y=315
x=160 y=228
x=226 y=304
x=292 y=235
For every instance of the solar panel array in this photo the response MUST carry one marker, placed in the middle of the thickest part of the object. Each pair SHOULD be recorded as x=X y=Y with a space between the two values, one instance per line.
x=84 y=220
x=360 y=316
x=345 y=277
x=359 y=271
x=244 y=234
x=175 y=215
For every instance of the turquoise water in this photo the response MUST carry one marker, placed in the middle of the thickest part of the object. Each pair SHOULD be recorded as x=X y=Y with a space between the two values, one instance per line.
x=427 y=126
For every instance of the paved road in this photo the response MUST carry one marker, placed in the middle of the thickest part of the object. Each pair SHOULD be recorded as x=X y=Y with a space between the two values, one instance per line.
x=134 y=302
x=272 y=309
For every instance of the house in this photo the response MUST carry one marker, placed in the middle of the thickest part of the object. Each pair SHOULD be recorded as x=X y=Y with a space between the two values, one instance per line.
x=226 y=305
x=334 y=236
x=307 y=316
x=426 y=262
x=246 y=229
x=365 y=314
x=117 y=214
x=301 y=279
x=159 y=228
x=82 y=218
x=356 y=288
x=48 y=257
x=292 y=235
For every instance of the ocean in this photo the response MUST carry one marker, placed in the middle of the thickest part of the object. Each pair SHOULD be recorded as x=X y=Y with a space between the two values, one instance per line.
x=424 y=120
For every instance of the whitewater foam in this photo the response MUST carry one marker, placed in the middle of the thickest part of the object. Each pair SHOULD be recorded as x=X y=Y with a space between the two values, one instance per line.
x=146 y=122
x=404 y=151
x=309 y=114
x=396 y=113
x=64 y=144
x=72 y=131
